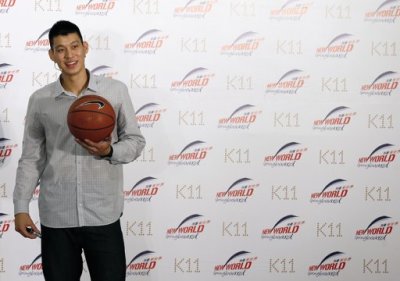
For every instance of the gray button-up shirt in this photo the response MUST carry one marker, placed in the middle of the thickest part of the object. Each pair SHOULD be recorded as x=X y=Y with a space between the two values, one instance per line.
x=76 y=189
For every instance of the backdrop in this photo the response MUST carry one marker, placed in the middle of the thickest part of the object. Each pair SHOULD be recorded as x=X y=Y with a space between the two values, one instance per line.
x=271 y=126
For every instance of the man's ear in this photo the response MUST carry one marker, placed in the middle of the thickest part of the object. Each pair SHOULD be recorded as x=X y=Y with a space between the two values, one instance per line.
x=51 y=54
x=86 y=46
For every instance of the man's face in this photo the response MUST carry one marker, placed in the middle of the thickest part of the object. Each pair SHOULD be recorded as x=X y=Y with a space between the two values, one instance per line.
x=69 y=53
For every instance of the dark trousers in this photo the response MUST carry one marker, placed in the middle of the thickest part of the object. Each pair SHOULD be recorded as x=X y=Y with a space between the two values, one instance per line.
x=103 y=247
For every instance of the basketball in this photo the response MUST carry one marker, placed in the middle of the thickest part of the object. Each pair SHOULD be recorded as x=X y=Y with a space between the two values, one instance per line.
x=91 y=117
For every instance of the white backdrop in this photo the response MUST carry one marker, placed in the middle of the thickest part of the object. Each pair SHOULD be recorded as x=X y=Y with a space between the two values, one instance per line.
x=271 y=127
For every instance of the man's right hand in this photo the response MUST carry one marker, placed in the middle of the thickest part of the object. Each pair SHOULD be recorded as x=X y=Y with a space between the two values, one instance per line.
x=24 y=221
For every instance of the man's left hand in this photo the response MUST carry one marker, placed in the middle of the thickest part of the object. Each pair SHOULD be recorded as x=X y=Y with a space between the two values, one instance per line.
x=101 y=148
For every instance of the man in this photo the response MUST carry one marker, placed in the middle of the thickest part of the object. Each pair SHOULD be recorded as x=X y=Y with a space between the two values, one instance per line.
x=81 y=188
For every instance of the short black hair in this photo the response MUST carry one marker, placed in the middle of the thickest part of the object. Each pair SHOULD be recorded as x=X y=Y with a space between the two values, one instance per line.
x=63 y=27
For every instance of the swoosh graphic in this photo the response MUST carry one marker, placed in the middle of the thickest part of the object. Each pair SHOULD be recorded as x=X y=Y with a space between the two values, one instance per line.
x=189 y=218
x=188 y=3
x=191 y=144
x=289 y=73
x=339 y=108
x=101 y=67
x=4 y=64
x=237 y=182
x=38 y=257
x=329 y=256
x=146 y=106
x=376 y=220
x=236 y=255
x=193 y=71
x=288 y=3
x=241 y=108
x=139 y=255
x=341 y=36
x=332 y=183
x=285 y=146
x=385 y=3
x=383 y=75
x=41 y=35
x=283 y=219
x=147 y=33
x=380 y=147
x=243 y=35
x=141 y=181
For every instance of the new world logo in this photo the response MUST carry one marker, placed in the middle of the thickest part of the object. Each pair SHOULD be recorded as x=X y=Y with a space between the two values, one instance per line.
x=104 y=71
x=241 y=118
x=237 y=265
x=42 y=43
x=237 y=192
x=147 y=43
x=383 y=85
x=380 y=157
x=244 y=45
x=335 y=120
x=95 y=8
x=143 y=190
x=387 y=12
x=149 y=114
x=284 y=229
x=4 y=224
x=194 y=81
x=288 y=83
x=190 y=155
x=7 y=75
x=6 y=5
x=32 y=269
x=142 y=264
x=286 y=156
x=195 y=9
x=190 y=228
x=331 y=265
x=6 y=150
x=378 y=229
x=332 y=193
x=338 y=47
x=292 y=10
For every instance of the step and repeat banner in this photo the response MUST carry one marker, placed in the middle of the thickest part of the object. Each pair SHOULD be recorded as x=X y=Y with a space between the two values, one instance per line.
x=272 y=133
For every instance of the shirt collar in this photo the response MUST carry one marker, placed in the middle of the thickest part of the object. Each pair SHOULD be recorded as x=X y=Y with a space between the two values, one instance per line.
x=92 y=85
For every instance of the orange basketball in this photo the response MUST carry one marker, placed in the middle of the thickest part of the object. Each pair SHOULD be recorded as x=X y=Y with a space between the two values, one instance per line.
x=91 y=117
